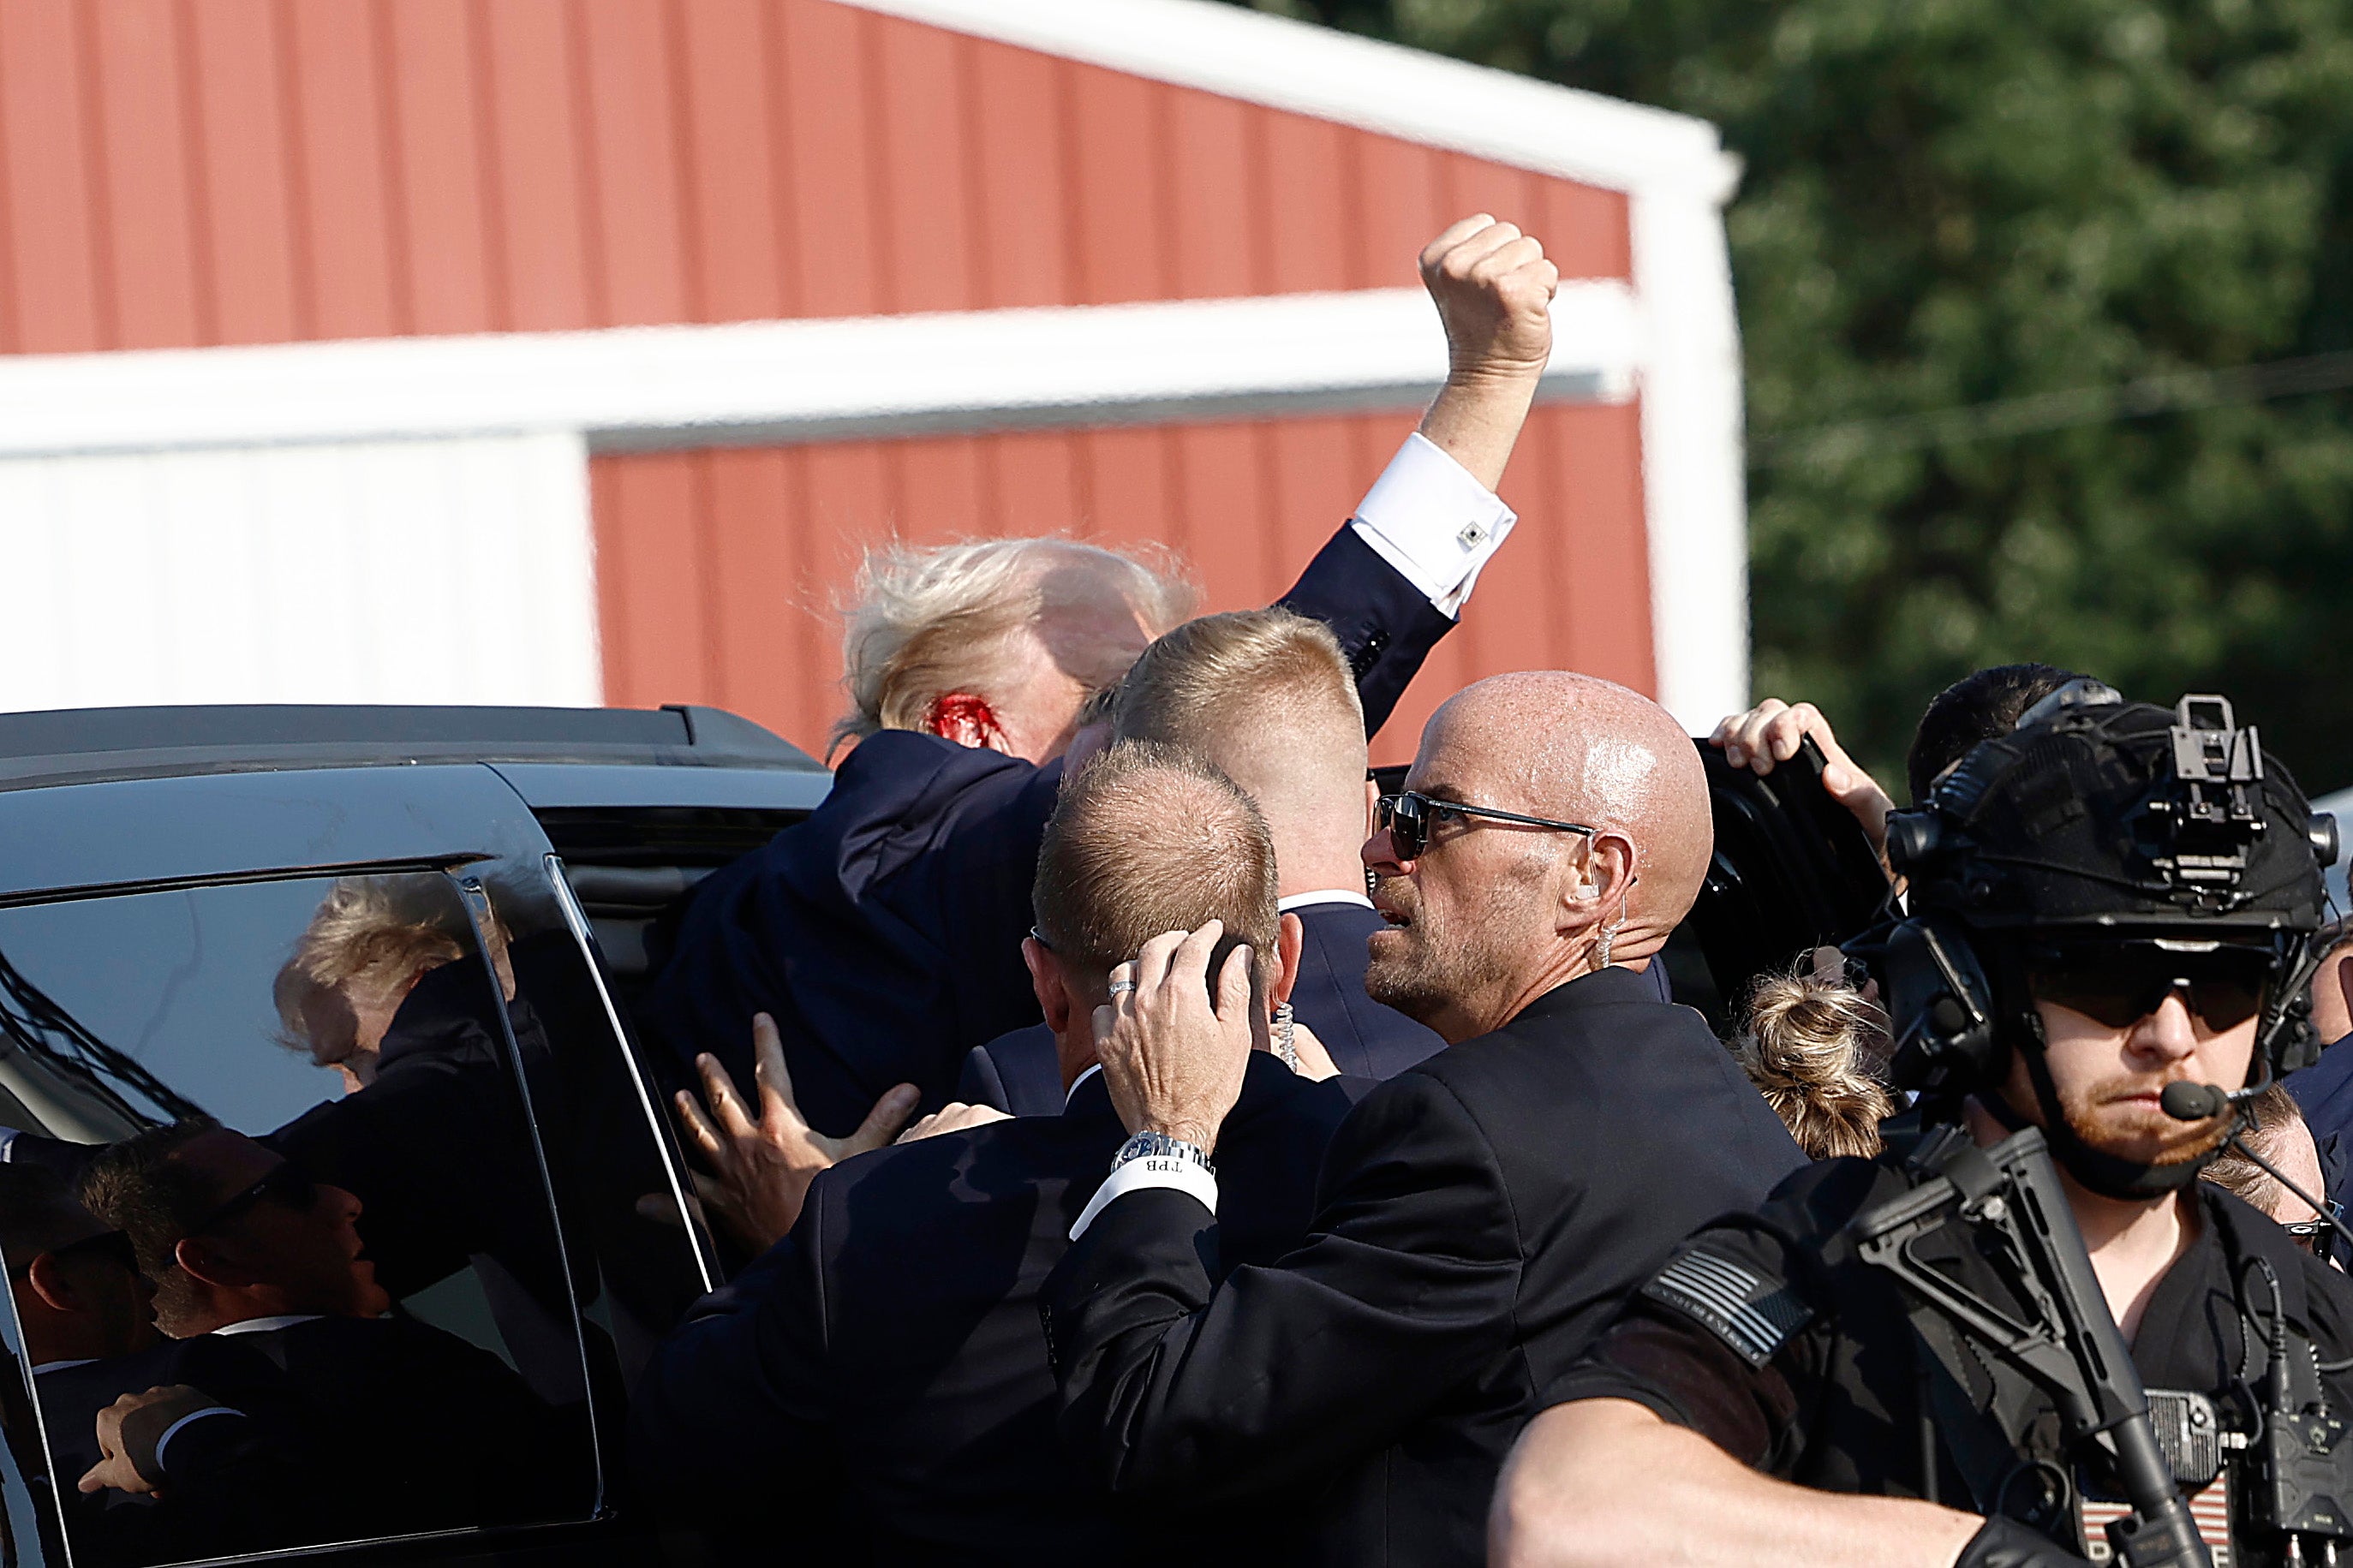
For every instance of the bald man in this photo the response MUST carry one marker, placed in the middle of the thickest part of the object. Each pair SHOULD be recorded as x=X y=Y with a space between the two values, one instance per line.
x=1481 y=1215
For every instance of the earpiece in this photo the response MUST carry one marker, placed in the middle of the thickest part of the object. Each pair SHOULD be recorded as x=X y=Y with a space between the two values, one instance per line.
x=1940 y=1009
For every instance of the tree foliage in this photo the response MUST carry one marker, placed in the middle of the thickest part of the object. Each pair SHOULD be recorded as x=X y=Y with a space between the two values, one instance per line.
x=1952 y=202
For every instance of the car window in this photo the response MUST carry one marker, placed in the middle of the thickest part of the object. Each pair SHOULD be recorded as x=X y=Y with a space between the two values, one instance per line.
x=277 y=1221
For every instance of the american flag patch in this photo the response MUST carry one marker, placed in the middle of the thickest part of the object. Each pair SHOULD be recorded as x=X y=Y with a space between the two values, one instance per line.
x=1754 y=1316
x=2210 y=1505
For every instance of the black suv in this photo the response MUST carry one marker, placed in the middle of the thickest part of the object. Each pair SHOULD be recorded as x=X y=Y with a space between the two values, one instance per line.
x=396 y=950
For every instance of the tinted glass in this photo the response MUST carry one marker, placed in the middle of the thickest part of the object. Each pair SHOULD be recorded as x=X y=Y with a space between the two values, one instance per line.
x=297 y=1100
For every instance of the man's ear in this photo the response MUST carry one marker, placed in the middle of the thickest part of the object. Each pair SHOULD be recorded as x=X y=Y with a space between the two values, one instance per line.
x=1046 y=980
x=968 y=720
x=1290 y=940
x=202 y=1261
x=49 y=1283
x=1600 y=883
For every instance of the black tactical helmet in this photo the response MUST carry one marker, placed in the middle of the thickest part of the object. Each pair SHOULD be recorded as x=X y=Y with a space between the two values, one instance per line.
x=2098 y=821
x=2099 y=815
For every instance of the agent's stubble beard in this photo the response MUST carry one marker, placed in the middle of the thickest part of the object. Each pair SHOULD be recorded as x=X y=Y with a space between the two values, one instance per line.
x=1421 y=970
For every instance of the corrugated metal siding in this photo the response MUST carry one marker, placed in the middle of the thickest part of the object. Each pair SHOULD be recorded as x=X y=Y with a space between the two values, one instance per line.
x=380 y=572
x=717 y=571
x=176 y=172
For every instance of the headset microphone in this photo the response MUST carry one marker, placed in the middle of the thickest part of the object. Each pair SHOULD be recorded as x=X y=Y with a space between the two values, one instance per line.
x=2187 y=1101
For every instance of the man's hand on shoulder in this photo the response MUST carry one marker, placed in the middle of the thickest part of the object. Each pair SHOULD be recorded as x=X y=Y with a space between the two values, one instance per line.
x=955 y=1115
x=157 y=1410
x=1494 y=289
x=1173 y=1063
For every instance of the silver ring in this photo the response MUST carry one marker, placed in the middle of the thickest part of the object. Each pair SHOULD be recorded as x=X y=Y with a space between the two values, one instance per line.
x=1119 y=987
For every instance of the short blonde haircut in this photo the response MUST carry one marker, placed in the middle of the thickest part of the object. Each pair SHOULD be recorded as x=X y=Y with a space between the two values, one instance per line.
x=1146 y=839
x=1802 y=1045
x=1184 y=688
x=926 y=621
x=370 y=937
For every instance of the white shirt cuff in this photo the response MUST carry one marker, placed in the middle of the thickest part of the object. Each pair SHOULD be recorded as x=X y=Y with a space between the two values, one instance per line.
x=173 y=1429
x=1427 y=517
x=1150 y=1171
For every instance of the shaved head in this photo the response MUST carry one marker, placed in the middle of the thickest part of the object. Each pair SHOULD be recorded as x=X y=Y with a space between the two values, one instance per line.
x=1491 y=914
x=1581 y=749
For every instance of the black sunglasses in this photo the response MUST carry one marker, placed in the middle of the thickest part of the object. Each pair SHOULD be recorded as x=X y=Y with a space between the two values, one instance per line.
x=2317 y=1235
x=1408 y=816
x=2120 y=983
x=110 y=1245
x=287 y=1184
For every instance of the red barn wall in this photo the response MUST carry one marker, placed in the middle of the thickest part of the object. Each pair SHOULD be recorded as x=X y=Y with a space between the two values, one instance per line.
x=175 y=173
x=180 y=173
x=717 y=571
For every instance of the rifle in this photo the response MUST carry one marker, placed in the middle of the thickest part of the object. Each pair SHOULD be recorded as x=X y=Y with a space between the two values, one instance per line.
x=2009 y=1196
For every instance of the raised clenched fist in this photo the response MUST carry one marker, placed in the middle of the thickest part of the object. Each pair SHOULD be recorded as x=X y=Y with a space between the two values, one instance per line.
x=1493 y=290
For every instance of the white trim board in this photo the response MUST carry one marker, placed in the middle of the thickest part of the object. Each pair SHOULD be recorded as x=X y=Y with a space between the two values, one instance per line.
x=638 y=388
x=1378 y=86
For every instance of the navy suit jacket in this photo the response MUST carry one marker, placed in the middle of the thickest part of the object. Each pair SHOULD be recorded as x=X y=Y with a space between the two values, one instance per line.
x=881 y=1375
x=883 y=931
x=1020 y=1073
x=2324 y=1092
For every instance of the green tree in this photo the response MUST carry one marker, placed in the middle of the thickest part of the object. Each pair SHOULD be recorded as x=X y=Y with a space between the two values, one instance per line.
x=1952 y=202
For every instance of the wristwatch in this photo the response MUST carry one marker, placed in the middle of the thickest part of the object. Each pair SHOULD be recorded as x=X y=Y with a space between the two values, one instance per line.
x=1159 y=1145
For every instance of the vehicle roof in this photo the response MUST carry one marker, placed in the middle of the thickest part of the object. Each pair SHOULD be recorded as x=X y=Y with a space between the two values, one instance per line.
x=76 y=744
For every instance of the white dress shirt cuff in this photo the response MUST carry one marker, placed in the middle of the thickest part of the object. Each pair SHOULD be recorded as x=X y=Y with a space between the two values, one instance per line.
x=1428 y=519
x=1150 y=1171
x=174 y=1430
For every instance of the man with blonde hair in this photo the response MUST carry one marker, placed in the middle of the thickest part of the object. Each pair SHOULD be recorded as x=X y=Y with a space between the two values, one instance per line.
x=1267 y=695
x=882 y=933
x=369 y=942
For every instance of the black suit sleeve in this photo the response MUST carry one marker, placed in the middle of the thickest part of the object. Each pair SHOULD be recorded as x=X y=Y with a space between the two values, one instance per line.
x=1404 y=1288
x=980 y=1083
x=731 y=1415
x=1385 y=626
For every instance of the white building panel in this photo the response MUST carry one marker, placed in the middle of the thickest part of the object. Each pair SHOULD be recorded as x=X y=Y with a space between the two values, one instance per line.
x=426 y=571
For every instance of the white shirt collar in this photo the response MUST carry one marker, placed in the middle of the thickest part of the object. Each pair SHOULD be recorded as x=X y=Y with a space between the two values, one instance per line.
x=1323 y=896
x=265 y=1325
x=1080 y=1079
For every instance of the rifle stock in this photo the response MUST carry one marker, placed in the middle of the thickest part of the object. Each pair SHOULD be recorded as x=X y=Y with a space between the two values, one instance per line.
x=2010 y=1194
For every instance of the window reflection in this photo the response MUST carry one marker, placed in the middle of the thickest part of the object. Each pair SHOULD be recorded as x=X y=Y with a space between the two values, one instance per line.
x=275 y=1225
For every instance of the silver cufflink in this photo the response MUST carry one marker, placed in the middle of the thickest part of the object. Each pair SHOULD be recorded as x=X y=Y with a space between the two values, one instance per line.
x=1473 y=535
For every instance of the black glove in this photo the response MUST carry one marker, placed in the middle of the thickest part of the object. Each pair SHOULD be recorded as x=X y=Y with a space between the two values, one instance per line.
x=2006 y=1543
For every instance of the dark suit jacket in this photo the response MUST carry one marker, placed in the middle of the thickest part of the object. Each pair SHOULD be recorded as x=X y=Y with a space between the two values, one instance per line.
x=236 y=1483
x=438 y=1150
x=443 y=1434
x=358 y=1427
x=881 y=1373
x=883 y=931
x=1020 y=1074
x=1480 y=1217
